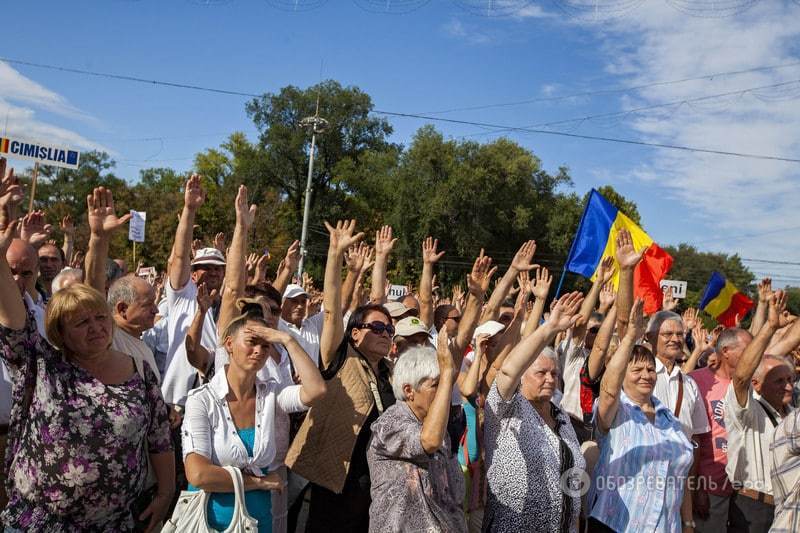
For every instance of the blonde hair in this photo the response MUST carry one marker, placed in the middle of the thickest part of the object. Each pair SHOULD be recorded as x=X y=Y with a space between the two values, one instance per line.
x=65 y=304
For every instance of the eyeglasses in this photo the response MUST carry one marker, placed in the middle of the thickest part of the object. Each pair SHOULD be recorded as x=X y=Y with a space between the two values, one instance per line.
x=378 y=327
x=455 y=319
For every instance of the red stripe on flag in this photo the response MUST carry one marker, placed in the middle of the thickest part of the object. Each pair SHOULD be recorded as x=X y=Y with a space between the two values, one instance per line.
x=648 y=275
x=740 y=305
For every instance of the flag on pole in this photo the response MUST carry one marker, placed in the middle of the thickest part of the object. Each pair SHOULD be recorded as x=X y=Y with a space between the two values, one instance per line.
x=596 y=239
x=724 y=301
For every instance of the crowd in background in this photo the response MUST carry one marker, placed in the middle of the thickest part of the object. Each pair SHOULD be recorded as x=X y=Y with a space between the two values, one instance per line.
x=491 y=406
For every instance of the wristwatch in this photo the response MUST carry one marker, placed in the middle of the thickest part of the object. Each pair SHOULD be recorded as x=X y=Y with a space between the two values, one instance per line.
x=689 y=523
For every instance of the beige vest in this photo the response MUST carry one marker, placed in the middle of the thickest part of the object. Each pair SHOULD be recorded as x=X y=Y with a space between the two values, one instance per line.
x=322 y=449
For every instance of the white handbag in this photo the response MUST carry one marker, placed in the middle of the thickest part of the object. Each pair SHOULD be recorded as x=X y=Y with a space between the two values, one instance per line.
x=189 y=515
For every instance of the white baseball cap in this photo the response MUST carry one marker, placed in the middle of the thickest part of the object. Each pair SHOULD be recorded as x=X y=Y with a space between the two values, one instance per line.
x=293 y=291
x=490 y=328
x=208 y=256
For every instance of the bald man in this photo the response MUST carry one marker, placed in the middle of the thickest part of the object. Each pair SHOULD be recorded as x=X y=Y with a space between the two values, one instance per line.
x=24 y=263
x=132 y=302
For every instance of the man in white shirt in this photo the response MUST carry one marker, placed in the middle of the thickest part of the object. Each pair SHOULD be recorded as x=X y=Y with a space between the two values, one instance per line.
x=676 y=390
x=757 y=400
x=293 y=320
x=132 y=302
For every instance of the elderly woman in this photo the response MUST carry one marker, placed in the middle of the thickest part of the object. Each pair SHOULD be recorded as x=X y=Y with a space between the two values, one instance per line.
x=83 y=419
x=231 y=421
x=416 y=482
x=530 y=443
x=639 y=480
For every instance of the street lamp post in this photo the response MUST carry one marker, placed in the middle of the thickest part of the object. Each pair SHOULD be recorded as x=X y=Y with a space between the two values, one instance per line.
x=317 y=125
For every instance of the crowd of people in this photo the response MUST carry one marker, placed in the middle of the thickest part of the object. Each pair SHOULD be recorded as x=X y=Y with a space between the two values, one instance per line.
x=480 y=408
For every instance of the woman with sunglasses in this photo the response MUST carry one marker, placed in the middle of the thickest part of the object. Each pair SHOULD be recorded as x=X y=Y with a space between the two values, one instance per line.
x=330 y=449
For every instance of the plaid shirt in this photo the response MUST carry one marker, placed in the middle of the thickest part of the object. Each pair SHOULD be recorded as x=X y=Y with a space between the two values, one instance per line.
x=785 y=471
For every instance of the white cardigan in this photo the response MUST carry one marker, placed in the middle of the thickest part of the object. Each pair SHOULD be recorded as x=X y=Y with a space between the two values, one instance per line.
x=208 y=427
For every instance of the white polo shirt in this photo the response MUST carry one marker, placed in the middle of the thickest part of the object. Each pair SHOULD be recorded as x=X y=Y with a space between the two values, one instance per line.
x=179 y=375
x=307 y=335
x=693 y=416
x=750 y=433
x=209 y=430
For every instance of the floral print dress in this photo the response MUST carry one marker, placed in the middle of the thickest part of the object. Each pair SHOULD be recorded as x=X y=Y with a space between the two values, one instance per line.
x=77 y=456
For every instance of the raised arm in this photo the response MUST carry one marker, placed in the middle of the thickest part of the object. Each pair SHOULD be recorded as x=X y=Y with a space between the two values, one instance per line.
x=236 y=268
x=564 y=315
x=198 y=356
x=383 y=248
x=434 y=427
x=598 y=355
x=68 y=229
x=760 y=316
x=103 y=222
x=477 y=284
x=430 y=257
x=468 y=381
x=604 y=275
x=754 y=352
x=540 y=287
x=627 y=258
x=611 y=384
x=790 y=340
x=358 y=260
x=289 y=267
x=12 y=308
x=341 y=239
x=520 y=263
x=181 y=259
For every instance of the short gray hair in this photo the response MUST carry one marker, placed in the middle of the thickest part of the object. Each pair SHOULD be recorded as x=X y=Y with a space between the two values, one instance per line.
x=728 y=337
x=548 y=353
x=62 y=278
x=122 y=290
x=412 y=368
x=654 y=326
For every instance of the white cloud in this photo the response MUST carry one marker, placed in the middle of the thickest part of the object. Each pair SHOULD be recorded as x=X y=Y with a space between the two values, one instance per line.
x=456 y=28
x=736 y=197
x=21 y=98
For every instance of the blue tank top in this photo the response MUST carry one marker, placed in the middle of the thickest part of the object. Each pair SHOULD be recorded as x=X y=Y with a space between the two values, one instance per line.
x=259 y=502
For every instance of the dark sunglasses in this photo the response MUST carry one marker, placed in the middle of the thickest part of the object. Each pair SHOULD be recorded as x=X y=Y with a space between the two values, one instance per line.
x=378 y=327
x=455 y=319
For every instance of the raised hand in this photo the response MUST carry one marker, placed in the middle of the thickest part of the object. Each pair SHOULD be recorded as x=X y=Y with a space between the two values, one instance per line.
x=524 y=282
x=429 y=253
x=367 y=257
x=260 y=332
x=196 y=245
x=670 y=303
x=690 y=318
x=457 y=294
x=606 y=270
x=636 y=323
x=564 y=314
x=219 y=241
x=261 y=269
x=67 y=226
x=777 y=304
x=702 y=340
x=11 y=191
x=77 y=259
x=307 y=283
x=292 y=258
x=354 y=258
x=342 y=236
x=205 y=299
x=384 y=241
x=764 y=289
x=607 y=296
x=103 y=220
x=250 y=263
x=542 y=281
x=6 y=236
x=522 y=259
x=482 y=271
x=626 y=254
x=34 y=230
x=194 y=196
x=443 y=355
x=245 y=214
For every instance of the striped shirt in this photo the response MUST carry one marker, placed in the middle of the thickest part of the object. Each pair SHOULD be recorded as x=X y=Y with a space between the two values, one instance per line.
x=639 y=479
x=785 y=469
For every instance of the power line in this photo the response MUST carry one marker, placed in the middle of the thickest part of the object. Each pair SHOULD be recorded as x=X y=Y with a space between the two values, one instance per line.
x=591 y=137
x=419 y=116
x=611 y=91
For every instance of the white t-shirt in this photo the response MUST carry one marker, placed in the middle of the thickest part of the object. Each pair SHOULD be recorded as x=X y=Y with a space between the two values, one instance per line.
x=693 y=416
x=307 y=335
x=571 y=358
x=128 y=344
x=180 y=375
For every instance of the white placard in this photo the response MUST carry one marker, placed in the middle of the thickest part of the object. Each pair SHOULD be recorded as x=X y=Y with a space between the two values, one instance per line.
x=678 y=288
x=396 y=291
x=42 y=152
x=136 y=227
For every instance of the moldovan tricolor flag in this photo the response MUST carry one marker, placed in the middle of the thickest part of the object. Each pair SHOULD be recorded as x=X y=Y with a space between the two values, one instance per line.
x=597 y=239
x=724 y=301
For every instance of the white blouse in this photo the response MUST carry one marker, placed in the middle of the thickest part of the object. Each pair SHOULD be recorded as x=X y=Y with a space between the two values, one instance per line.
x=209 y=430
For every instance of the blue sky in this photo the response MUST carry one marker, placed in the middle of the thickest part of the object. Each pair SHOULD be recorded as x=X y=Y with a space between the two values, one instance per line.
x=442 y=57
